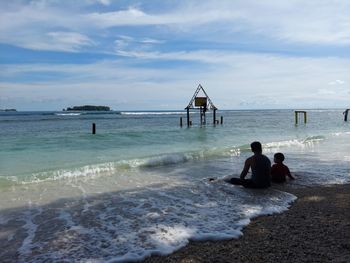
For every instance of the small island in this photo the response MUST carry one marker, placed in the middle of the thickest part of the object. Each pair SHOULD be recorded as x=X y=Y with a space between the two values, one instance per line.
x=88 y=108
x=8 y=110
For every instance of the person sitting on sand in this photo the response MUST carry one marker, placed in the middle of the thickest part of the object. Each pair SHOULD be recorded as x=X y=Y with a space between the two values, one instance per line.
x=260 y=166
x=279 y=171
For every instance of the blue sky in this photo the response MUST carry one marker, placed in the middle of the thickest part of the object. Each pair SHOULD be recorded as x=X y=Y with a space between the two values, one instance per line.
x=143 y=55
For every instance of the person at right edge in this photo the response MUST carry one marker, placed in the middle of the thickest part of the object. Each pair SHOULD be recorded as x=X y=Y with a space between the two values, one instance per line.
x=260 y=166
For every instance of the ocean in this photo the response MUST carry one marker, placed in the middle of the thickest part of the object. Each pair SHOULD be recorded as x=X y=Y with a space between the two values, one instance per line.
x=139 y=186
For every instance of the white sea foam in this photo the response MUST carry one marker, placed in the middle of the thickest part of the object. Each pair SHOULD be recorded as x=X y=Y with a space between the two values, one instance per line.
x=84 y=171
x=68 y=114
x=110 y=168
x=325 y=110
x=340 y=133
x=296 y=142
x=153 y=113
x=131 y=225
x=31 y=228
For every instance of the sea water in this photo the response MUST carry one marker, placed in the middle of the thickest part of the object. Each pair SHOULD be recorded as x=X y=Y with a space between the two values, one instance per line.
x=139 y=186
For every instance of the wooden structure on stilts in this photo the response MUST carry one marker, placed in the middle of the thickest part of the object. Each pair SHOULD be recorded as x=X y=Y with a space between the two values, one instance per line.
x=297 y=112
x=202 y=103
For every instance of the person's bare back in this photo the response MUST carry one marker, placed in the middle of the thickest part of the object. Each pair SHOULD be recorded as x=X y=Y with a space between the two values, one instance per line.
x=260 y=166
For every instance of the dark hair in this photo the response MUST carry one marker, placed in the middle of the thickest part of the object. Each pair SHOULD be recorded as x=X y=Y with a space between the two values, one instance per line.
x=279 y=156
x=256 y=147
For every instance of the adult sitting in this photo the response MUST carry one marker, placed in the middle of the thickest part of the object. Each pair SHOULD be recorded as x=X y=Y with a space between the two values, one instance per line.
x=261 y=170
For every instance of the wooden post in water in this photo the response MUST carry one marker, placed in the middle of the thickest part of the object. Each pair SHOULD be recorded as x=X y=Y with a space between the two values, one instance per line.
x=94 y=128
x=222 y=120
x=201 y=115
x=346 y=114
x=214 y=116
x=181 y=121
x=188 y=117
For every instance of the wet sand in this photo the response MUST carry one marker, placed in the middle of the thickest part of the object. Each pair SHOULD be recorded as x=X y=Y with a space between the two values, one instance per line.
x=315 y=229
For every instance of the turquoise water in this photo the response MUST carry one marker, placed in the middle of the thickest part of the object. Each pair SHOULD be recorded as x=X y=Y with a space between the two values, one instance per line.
x=143 y=179
x=36 y=143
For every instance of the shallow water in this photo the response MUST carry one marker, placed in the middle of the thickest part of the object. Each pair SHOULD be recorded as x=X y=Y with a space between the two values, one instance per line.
x=139 y=186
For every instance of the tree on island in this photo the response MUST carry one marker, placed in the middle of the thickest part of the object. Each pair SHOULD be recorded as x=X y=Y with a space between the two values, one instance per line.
x=89 y=108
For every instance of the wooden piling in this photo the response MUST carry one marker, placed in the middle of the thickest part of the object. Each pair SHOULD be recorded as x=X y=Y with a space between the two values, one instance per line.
x=181 y=121
x=214 y=116
x=221 y=119
x=188 y=117
x=346 y=114
x=94 y=128
x=201 y=116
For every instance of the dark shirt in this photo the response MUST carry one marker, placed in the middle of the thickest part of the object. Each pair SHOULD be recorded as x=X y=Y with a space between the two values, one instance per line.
x=261 y=171
x=279 y=172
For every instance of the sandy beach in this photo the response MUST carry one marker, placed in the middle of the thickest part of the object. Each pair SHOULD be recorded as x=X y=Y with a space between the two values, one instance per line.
x=315 y=229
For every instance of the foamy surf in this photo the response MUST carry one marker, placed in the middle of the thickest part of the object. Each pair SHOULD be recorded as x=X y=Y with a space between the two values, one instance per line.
x=131 y=225
x=68 y=114
x=142 y=113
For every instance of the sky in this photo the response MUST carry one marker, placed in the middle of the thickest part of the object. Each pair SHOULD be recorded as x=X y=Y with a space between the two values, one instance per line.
x=152 y=54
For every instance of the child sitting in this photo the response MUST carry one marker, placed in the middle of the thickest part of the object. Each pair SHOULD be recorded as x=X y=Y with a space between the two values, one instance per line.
x=279 y=170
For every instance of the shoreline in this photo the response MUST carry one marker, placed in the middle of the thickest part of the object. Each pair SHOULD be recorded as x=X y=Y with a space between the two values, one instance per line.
x=316 y=228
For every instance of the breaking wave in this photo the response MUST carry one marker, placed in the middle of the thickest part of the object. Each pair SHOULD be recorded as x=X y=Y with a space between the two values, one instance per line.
x=166 y=159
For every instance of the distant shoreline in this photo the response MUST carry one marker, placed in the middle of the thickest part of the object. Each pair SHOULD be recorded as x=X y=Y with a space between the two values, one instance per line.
x=177 y=110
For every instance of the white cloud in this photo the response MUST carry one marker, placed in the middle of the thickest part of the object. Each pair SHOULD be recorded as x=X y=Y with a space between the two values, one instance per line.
x=132 y=16
x=136 y=17
x=319 y=22
x=104 y=2
x=138 y=35
x=55 y=41
x=295 y=21
x=232 y=80
x=69 y=41
x=151 y=41
x=336 y=82
x=32 y=27
x=310 y=22
x=125 y=46
x=198 y=55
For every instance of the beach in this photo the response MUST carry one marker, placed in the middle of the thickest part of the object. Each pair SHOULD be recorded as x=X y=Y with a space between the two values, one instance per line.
x=315 y=229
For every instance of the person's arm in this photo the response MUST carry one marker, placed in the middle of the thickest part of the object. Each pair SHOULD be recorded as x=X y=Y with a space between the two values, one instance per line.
x=246 y=168
x=289 y=174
